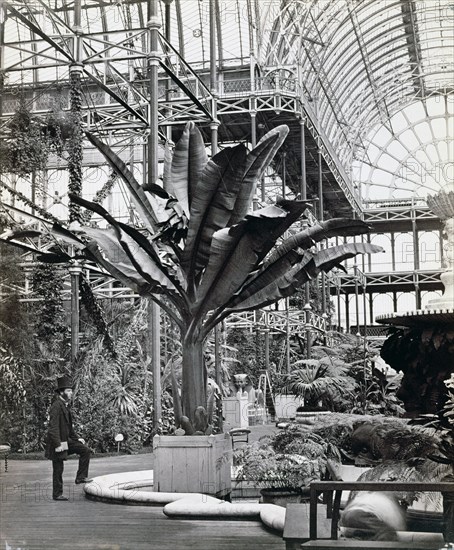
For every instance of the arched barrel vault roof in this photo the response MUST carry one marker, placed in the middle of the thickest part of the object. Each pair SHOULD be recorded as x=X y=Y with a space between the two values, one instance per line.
x=358 y=62
x=362 y=62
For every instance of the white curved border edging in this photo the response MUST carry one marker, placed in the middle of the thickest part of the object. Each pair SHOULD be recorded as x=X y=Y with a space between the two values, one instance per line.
x=126 y=487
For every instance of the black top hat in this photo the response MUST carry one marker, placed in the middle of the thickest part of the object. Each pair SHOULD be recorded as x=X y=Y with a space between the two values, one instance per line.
x=64 y=382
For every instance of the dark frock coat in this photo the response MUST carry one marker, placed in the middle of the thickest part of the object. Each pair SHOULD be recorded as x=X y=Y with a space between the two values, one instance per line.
x=60 y=429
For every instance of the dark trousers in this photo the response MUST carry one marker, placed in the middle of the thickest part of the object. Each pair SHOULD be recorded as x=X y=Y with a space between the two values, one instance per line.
x=74 y=447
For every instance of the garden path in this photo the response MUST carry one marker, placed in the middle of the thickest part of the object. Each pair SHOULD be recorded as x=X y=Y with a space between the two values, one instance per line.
x=31 y=520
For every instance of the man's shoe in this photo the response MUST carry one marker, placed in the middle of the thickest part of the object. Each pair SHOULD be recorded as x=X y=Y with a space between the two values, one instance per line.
x=83 y=480
x=61 y=497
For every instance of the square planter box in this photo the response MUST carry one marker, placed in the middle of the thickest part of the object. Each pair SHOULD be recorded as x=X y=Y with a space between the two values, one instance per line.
x=193 y=464
x=286 y=406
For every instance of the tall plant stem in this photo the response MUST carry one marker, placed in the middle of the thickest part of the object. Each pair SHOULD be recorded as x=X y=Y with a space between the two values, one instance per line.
x=194 y=378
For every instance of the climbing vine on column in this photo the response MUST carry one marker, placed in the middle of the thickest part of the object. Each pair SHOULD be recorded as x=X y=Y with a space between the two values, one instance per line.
x=75 y=152
x=96 y=314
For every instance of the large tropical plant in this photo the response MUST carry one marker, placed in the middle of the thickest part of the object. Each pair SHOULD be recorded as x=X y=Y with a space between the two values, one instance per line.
x=315 y=381
x=201 y=254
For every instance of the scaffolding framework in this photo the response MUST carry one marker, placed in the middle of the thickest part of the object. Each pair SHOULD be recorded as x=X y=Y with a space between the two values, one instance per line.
x=322 y=70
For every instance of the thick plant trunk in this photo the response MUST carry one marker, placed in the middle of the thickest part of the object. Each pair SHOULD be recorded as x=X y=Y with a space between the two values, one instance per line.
x=194 y=378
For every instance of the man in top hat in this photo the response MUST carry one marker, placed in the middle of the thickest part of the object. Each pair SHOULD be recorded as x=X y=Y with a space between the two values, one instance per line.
x=63 y=441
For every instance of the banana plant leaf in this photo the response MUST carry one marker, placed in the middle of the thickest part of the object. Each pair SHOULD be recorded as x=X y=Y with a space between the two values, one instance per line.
x=66 y=236
x=311 y=265
x=234 y=254
x=286 y=285
x=155 y=189
x=24 y=234
x=137 y=193
x=145 y=265
x=212 y=205
x=108 y=244
x=295 y=209
x=197 y=161
x=179 y=169
x=47 y=257
x=166 y=175
x=256 y=163
x=336 y=227
x=259 y=280
x=54 y=258
x=137 y=250
x=330 y=257
x=126 y=273
x=189 y=159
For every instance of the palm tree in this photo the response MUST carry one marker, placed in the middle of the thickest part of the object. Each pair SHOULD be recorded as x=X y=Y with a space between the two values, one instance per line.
x=314 y=381
x=200 y=252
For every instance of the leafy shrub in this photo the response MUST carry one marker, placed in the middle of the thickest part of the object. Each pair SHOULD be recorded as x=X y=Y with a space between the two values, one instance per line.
x=261 y=464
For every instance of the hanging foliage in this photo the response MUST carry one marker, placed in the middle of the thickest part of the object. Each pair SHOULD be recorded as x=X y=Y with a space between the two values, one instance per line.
x=101 y=195
x=75 y=151
x=50 y=323
x=25 y=150
x=25 y=200
x=96 y=313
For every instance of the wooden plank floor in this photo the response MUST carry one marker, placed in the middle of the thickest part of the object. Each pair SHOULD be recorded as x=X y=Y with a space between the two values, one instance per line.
x=31 y=520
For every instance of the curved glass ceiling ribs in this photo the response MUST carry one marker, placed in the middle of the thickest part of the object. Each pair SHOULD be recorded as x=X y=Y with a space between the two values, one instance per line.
x=354 y=63
x=363 y=61
x=411 y=157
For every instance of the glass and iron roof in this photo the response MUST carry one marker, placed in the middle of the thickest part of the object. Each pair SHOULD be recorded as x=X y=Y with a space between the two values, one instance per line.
x=377 y=75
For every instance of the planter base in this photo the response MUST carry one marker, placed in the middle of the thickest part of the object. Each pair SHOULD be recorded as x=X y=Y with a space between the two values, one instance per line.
x=193 y=464
x=282 y=497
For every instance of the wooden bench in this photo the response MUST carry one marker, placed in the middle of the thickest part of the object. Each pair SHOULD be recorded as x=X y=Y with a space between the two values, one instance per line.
x=369 y=545
x=297 y=534
x=296 y=526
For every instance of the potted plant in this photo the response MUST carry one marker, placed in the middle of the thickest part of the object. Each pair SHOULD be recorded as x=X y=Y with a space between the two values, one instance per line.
x=284 y=464
x=281 y=478
x=315 y=382
x=201 y=253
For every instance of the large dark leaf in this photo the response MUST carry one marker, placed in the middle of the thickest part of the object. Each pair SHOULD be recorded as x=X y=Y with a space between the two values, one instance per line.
x=336 y=227
x=49 y=257
x=273 y=273
x=137 y=250
x=282 y=287
x=197 y=161
x=308 y=268
x=256 y=163
x=66 y=235
x=328 y=258
x=294 y=209
x=137 y=193
x=179 y=170
x=123 y=273
x=234 y=254
x=24 y=234
x=188 y=162
x=212 y=205
x=54 y=258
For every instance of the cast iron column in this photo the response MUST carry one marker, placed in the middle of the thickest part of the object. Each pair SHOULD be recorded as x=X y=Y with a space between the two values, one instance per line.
x=74 y=270
x=153 y=26
x=214 y=127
